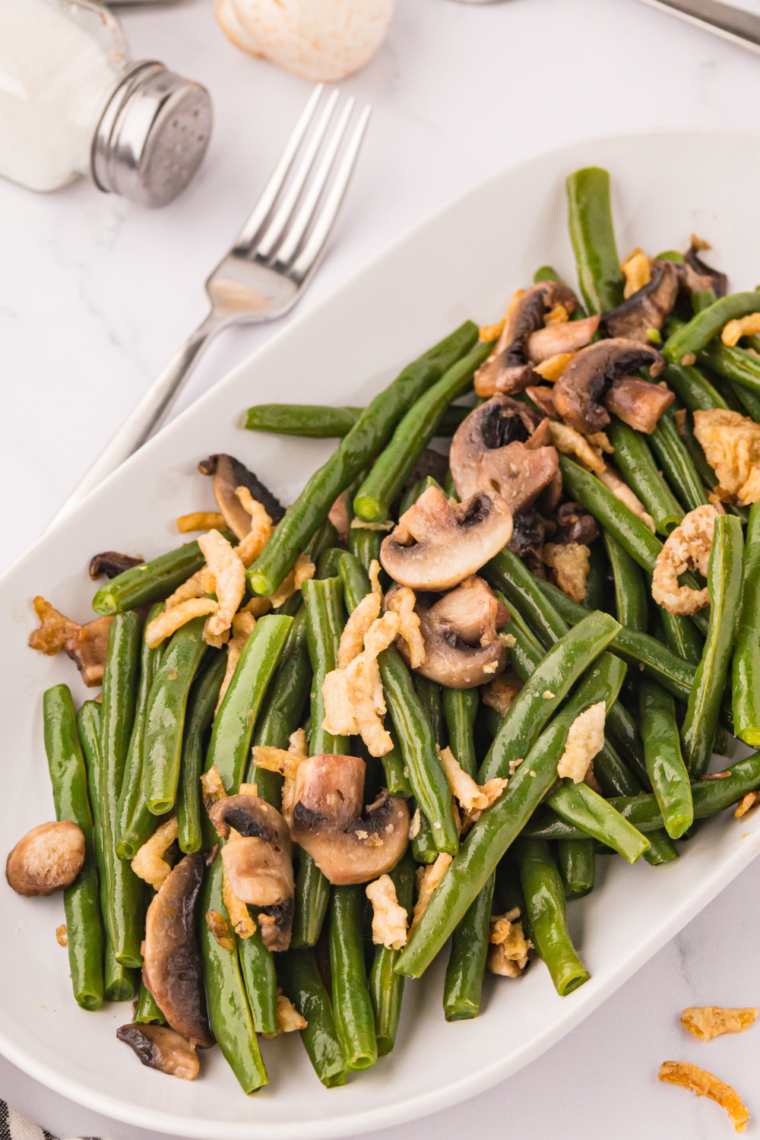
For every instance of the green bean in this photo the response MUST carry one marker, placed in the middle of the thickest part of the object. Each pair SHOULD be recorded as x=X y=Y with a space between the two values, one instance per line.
x=633 y=457
x=631 y=600
x=734 y=364
x=327 y=567
x=233 y=727
x=146 y=1010
x=165 y=717
x=693 y=387
x=724 y=583
x=576 y=863
x=312 y=898
x=68 y=777
x=412 y=435
x=699 y=331
x=119 y=982
x=148 y=582
x=730 y=393
x=121 y=892
x=708 y=796
x=746 y=659
x=596 y=578
x=132 y=803
x=354 y=1018
x=319 y=421
x=460 y=708
x=367 y=437
x=593 y=238
x=396 y=779
x=677 y=464
x=429 y=693
x=424 y=849
x=467 y=960
x=617 y=779
x=201 y=707
x=228 y=1008
x=581 y=805
x=260 y=979
x=365 y=545
x=542 y=694
x=506 y=572
x=682 y=637
x=500 y=824
x=662 y=749
x=306 y=990
x=545 y=905
x=386 y=987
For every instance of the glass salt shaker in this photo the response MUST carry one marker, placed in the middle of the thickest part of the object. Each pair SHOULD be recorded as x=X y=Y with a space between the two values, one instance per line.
x=72 y=102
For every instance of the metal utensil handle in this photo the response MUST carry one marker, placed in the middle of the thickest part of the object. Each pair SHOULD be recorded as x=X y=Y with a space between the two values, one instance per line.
x=733 y=24
x=146 y=418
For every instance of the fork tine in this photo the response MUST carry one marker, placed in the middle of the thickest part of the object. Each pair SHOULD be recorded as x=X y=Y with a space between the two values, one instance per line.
x=274 y=231
x=308 y=256
x=263 y=207
x=294 y=234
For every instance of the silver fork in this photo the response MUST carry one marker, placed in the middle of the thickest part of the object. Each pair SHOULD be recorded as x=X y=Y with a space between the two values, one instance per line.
x=266 y=270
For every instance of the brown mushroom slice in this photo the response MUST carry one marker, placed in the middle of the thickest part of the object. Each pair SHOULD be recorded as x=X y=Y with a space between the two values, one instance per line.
x=347 y=844
x=47 y=859
x=161 y=1048
x=695 y=277
x=575 y=524
x=172 y=968
x=507 y=369
x=567 y=337
x=529 y=533
x=229 y=474
x=494 y=450
x=647 y=308
x=276 y=923
x=111 y=563
x=544 y=398
x=257 y=859
x=460 y=631
x=436 y=545
x=86 y=645
x=581 y=387
x=637 y=402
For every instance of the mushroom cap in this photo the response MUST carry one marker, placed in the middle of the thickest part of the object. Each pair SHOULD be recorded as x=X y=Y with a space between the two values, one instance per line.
x=161 y=1048
x=347 y=844
x=111 y=563
x=637 y=402
x=257 y=859
x=229 y=474
x=460 y=629
x=276 y=924
x=502 y=446
x=566 y=337
x=694 y=276
x=575 y=524
x=436 y=544
x=47 y=859
x=580 y=388
x=647 y=308
x=507 y=369
x=172 y=968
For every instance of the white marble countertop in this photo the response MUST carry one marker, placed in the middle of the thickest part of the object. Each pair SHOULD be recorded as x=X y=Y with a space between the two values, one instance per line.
x=96 y=295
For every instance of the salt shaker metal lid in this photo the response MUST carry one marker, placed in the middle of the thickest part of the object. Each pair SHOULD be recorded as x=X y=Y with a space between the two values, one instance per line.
x=152 y=135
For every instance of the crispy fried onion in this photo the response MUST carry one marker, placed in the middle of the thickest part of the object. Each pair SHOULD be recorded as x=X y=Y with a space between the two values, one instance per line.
x=569 y=562
x=731 y=443
x=200 y=520
x=501 y=692
x=746 y=803
x=243 y=625
x=287 y=1016
x=212 y=787
x=584 y=740
x=220 y=928
x=708 y=1021
x=389 y=918
x=286 y=763
x=509 y=946
x=705 y=1084
x=637 y=272
x=402 y=603
x=202 y=582
x=242 y=923
x=303 y=570
x=428 y=879
x=84 y=644
x=552 y=368
x=686 y=548
x=623 y=492
x=149 y=863
x=261 y=530
x=360 y=619
x=568 y=441
x=354 y=700
x=473 y=798
x=169 y=621
x=229 y=579
x=735 y=330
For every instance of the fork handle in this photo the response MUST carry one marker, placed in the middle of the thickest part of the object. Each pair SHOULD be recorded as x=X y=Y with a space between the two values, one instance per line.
x=146 y=418
x=733 y=24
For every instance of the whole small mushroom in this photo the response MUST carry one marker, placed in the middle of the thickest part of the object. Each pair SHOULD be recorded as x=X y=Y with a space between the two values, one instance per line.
x=47 y=859
x=161 y=1048
x=321 y=40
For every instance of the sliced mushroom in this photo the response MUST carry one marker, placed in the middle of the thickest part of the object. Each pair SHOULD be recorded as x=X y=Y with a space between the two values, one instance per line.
x=507 y=368
x=229 y=474
x=694 y=276
x=647 y=308
x=575 y=524
x=436 y=544
x=86 y=645
x=544 y=398
x=47 y=859
x=111 y=563
x=257 y=858
x=172 y=968
x=638 y=403
x=161 y=1048
x=460 y=631
x=347 y=844
x=581 y=387
x=567 y=337
x=529 y=533
x=431 y=464
x=276 y=924
x=501 y=447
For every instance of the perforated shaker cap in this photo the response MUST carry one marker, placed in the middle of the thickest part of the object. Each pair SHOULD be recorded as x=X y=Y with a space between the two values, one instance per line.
x=152 y=135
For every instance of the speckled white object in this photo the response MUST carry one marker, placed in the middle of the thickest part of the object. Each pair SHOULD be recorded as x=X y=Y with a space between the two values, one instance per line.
x=316 y=39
